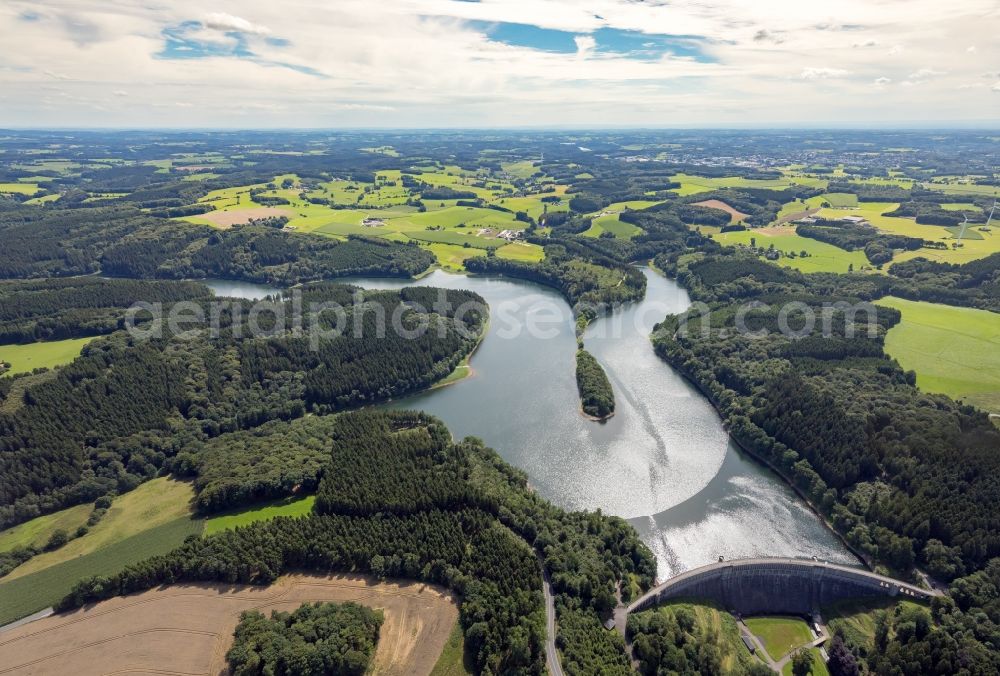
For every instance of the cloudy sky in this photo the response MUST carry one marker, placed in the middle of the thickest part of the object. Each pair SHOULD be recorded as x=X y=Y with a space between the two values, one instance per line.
x=498 y=63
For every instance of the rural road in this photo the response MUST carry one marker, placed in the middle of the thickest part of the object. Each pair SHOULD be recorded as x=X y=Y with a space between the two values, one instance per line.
x=551 y=654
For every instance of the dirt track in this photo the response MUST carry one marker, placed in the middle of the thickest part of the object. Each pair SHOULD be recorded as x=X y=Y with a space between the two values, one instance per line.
x=187 y=629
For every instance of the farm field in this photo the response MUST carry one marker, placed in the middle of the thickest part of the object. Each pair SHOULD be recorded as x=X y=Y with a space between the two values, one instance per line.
x=19 y=188
x=822 y=257
x=691 y=185
x=26 y=594
x=954 y=351
x=444 y=226
x=48 y=354
x=261 y=512
x=780 y=635
x=148 y=506
x=735 y=216
x=190 y=626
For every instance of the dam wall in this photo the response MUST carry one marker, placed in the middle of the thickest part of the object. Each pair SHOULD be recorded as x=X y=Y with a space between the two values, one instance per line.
x=777 y=586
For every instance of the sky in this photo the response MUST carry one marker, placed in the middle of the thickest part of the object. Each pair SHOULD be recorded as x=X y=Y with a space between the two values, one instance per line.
x=498 y=63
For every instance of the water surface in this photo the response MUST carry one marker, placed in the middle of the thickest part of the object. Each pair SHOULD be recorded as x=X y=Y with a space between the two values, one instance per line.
x=663 y=461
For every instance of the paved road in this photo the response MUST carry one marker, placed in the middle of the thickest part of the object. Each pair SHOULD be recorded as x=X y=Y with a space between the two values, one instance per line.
x=551 y=654
x=30 y=618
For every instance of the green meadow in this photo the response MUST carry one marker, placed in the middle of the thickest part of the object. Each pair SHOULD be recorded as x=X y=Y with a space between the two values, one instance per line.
x=26 y=358
x=780 y=635
x=954 y=351
x=262 y=512
x=36 y=533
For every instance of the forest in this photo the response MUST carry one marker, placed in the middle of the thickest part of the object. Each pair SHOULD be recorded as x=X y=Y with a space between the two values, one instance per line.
x=312 y=640
x=126 y=392
x=596 y=396
x=54 y=309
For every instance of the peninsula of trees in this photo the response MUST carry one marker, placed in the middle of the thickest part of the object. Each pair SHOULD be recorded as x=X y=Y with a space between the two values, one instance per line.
x=596 y=395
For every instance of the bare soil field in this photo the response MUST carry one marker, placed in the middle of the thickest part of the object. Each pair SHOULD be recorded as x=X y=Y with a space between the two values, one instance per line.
x=230 y=217
x=734 y=215
x=187 y=628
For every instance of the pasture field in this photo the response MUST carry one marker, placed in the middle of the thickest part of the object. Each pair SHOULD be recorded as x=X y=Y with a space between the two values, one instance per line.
x=822 y=257
x=964 y=189
x=297 y=506
x=48 y=354
x=780 y=635
x=608 y=219
x=190 y=626
x=841 y=200
x=150 y=505
x=611 y=223
x=26 y=594
x=36 y=533
x=960 y=206
x=522 y=251
x=452 y=257
x=19 y=188
x=954 y=351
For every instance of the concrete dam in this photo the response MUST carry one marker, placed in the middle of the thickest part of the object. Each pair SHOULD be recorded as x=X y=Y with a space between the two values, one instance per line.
x=777 y=586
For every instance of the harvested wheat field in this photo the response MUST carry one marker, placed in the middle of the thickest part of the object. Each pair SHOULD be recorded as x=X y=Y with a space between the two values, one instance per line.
x=187 y=628
x=734 y=215
x=226 y=218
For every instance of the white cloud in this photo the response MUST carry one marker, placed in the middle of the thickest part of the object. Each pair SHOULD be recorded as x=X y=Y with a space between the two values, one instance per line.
x=882 y=81
x=221 y=21
x=970 y=49
x=120 y=92
x=823 y=73
x=422 y=63
x=584 y=44
x=996 y=87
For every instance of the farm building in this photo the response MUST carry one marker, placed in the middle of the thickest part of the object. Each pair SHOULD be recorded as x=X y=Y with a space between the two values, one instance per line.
x=509 y=235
